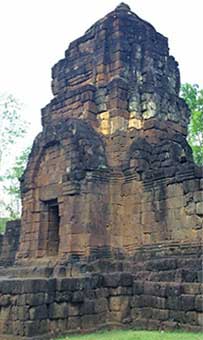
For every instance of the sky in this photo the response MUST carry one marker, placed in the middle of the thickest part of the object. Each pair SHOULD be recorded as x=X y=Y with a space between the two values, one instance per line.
x=34 y=35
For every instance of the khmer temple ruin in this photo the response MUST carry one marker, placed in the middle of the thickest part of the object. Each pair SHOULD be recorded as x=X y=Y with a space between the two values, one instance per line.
x=111 y=227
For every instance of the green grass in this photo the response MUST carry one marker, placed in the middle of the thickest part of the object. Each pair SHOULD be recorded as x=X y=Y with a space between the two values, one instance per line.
x=136 y=335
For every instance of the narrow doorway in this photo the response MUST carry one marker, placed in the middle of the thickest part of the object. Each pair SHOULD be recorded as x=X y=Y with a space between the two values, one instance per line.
x=53 y=228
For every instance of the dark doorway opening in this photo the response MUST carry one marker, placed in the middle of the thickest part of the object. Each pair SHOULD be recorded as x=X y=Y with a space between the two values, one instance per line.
x=53 y=228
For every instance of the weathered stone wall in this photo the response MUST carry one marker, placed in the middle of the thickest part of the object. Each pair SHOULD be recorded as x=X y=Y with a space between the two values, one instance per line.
x=10 y=243
x=160 y=289
x=166 y=205
x=119 y=70
x=114 y=134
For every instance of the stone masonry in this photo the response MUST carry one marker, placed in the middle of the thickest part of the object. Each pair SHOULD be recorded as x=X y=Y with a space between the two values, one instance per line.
x=111 y=228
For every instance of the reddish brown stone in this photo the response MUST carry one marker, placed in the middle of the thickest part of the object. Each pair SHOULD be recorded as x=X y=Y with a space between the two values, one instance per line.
x=111 y=227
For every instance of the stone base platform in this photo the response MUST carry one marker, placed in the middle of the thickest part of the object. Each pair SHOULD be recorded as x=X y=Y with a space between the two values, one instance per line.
x=159 y=288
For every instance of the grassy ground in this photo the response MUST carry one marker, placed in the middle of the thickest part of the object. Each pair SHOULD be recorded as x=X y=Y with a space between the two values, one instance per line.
x=136 y=335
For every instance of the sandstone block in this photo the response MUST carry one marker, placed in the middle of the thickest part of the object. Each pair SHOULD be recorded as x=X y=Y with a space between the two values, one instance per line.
x=88 y=322
x=199 y=303
x=90 y=294
x=114 y=280
x=5 y=300
x=199 y=208
x=17 y=328
x=101 y=305
x=102 y=292
x=174 y=190
x=200 y=319
x=198 y=196
x=175 y=202
x=191 y=185
x=173 y=289
x=58 y=311
x=38 y=313
x=118 y=303
x=78 y=297
x=51 y=297
x=68 y=284
x=34 y=286
x=187 y=302
x=35 y=327
x=169 y=325
x=146 y=313
x=152 y=301
x=177 y=316
x=74 y=323
x=22 y=313
x=73 y=310
x=88 y=307
x=5 y=312
x=120 y=291
x=140 y=324
x=135 y=301
x=191 y=318
x=193 y=289
x=11 y=287
x=138 y=287
x=200 y=276
x=64 y=296
x=35 y=299
x=173 y=302
x=191 y=328
x=153 y=324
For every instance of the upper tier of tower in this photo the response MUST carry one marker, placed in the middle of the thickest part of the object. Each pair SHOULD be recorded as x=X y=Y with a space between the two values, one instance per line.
x=119 y=69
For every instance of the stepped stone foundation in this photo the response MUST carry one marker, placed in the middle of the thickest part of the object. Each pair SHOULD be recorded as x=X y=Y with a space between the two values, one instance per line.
x=111 y=228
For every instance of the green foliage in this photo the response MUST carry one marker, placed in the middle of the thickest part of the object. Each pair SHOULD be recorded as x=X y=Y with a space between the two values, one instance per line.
x=193 y=96
x=12 y=126
x=3 y=221
x=12 y=129
x=12 y=184
x=137 y=335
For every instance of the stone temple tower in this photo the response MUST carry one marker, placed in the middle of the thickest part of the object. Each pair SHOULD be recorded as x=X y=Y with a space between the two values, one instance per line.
x=110 y=186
